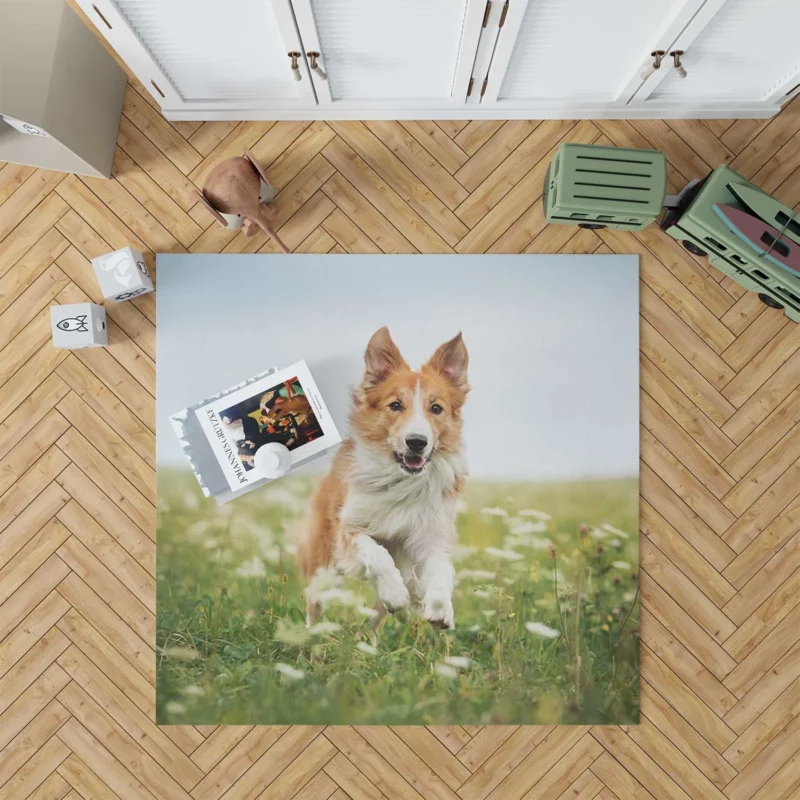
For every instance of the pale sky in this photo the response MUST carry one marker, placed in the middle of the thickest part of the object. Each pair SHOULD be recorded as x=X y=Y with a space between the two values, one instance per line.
x=553 y=344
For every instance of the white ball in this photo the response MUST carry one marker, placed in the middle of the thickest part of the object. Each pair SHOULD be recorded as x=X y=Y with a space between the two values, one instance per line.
x=273 y=460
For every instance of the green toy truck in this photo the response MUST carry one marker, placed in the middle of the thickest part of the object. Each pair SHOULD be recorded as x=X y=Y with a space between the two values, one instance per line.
x=599 y=187
x=702 y=232
x=605 y=187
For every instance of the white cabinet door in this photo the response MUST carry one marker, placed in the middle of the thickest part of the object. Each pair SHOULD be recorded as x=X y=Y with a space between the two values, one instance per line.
x=565 y=54
x=390 y=54
x=228 y=56
x=736 y=51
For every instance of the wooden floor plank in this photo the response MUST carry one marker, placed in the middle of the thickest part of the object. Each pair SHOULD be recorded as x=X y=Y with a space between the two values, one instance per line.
x=682 y=555
x=392 y=196
x=420 y=162
x=626 y=751
x=771 y=612
x=681 y=735
x=159 y=131
x=84 y=782
x=437 y=143
x=686 y=666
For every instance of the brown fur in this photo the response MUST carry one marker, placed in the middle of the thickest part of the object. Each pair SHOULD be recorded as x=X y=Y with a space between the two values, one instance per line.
x=316 y=549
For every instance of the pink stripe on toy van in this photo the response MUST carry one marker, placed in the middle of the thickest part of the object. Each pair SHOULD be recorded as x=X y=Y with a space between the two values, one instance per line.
x=767 y=241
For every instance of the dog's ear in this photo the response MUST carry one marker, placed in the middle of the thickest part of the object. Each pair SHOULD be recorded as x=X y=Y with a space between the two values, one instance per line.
x=451 y=360
x=381 y=358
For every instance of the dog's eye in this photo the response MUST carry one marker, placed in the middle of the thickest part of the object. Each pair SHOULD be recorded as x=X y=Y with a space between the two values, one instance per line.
x=396 y=405
x=436 y=409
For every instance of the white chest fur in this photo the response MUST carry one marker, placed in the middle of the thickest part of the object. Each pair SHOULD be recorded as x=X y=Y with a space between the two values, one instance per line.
x=390 y=505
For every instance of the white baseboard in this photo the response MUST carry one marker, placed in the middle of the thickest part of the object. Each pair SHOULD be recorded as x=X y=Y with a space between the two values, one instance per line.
x=371 y=112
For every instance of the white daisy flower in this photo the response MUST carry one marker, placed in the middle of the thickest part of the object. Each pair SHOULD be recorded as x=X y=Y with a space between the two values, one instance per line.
x=290 y=672
x=506 y=555
x=459 y=662
x=294 y=635
x=445 y=671
x=597 y=533
x=462 y=552
x=367 y=648
x=324 y=627
x=254 y=568
x=321 y=580
x=475 y=575
x=271 y=553
x=620 y=565
x=175 y=708
x=196 y=532
x=615 y=531
x=192 y=691
x=542 y=630
x=342 y=597
x=539 y=543
x=181 y=653
x=525 y=527
x=482 y=593
x=281 y=496
x=532 y=512
x=494 y=511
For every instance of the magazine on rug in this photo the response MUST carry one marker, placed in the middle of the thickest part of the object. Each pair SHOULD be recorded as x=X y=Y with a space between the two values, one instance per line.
x=284 y=407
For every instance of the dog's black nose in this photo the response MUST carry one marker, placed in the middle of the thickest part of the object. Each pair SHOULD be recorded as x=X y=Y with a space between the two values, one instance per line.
x=416 y=443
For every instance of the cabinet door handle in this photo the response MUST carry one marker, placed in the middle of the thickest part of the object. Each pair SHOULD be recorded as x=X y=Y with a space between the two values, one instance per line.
x=657 y=55
x=676 y=60
x=317 y=70
x=296 y=74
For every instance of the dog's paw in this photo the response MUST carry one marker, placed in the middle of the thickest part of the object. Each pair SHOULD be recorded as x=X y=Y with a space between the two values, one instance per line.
x=394 y=595
x=438 y=610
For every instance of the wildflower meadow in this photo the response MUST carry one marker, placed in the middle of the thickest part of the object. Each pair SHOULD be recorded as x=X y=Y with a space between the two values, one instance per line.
x=546 y=606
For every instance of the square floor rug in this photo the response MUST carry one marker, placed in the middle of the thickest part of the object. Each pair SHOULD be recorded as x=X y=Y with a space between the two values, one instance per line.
x=455 y=541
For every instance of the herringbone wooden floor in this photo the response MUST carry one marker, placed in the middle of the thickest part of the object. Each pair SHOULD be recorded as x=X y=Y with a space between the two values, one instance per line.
x=720 y=486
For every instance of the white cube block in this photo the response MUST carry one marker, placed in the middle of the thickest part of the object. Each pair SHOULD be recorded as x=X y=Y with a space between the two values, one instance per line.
x=78 y=325
x=122 y=274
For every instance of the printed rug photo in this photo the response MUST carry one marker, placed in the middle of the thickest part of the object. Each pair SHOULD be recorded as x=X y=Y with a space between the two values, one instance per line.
x=456 y=542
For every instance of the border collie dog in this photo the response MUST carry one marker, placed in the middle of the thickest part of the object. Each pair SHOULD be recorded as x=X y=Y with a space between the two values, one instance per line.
x=386 y=510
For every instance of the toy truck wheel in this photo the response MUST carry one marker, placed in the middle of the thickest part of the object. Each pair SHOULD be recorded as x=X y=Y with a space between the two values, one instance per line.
x=592 y=226
x=769 y=301
x=693 y=249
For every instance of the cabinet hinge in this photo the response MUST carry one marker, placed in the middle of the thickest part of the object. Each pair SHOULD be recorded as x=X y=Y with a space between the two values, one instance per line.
x=469 y=88
x=503 y=15
x=485 y=84
x=486 y=13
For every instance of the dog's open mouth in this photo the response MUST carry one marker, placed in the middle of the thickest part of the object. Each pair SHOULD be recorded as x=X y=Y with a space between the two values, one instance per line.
x=413 y=463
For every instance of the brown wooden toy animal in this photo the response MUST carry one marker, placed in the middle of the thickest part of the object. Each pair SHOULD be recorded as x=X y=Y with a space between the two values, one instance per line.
x=236 y=192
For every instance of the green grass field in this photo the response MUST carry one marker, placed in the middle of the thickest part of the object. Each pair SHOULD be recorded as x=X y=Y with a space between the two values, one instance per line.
x=547 y=615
